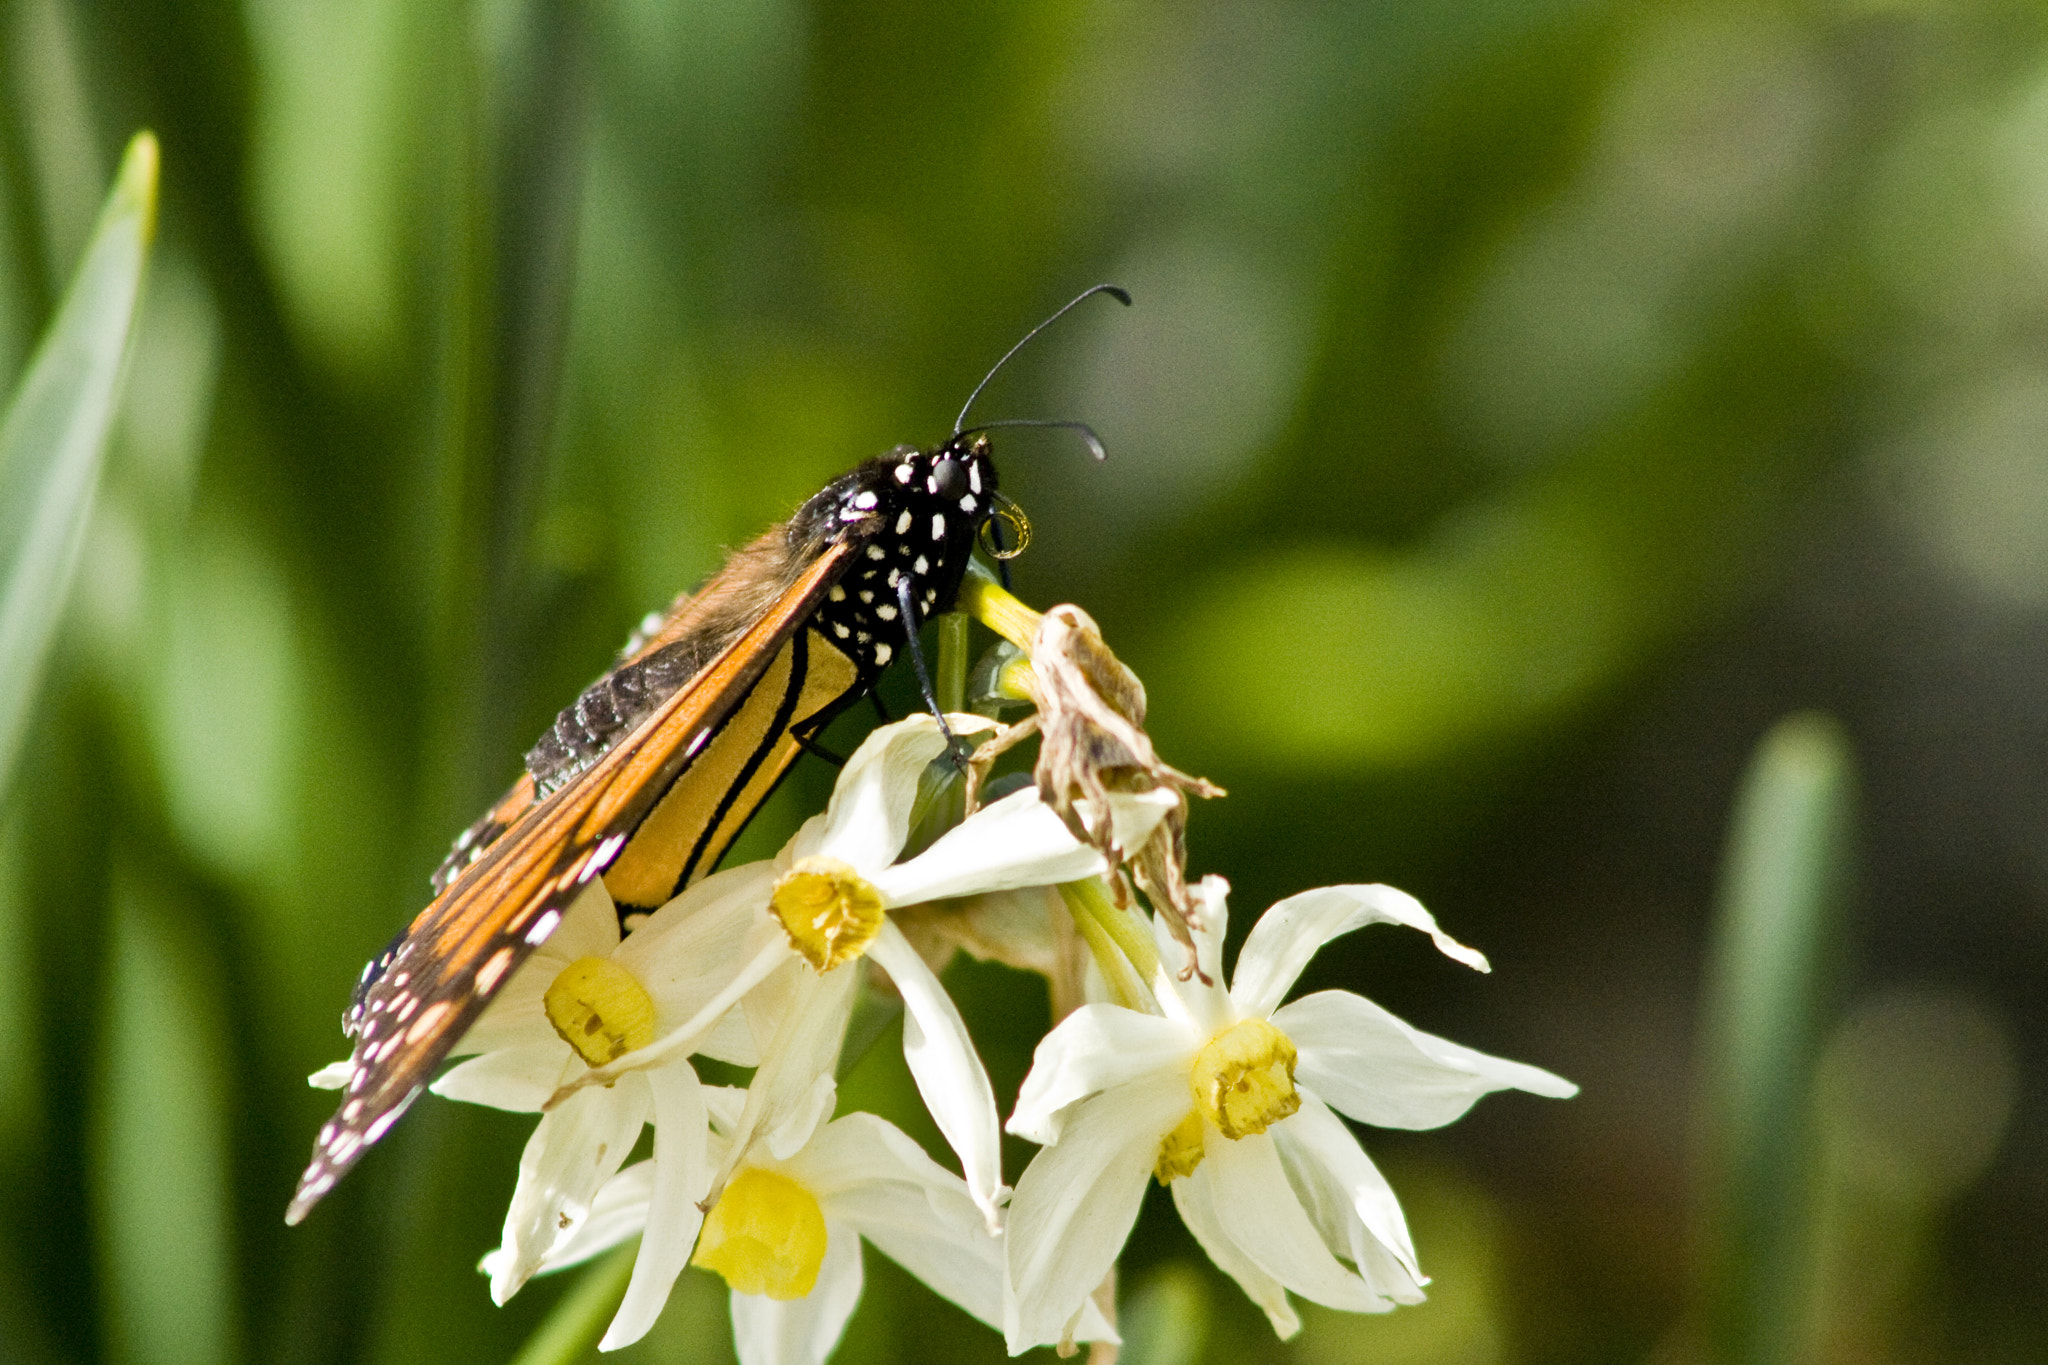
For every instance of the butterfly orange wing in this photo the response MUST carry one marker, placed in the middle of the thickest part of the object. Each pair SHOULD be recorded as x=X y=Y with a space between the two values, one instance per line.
x=443 y=970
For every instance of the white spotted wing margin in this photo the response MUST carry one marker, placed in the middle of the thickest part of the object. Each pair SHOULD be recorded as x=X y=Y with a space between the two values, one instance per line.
x=474 y=935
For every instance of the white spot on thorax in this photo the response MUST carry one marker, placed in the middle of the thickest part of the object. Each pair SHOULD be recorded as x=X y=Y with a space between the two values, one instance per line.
x=903 y=522
x=938 y=526
x=866 y=502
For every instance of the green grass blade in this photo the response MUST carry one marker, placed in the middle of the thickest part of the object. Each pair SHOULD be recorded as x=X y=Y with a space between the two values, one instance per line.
x=1775 y=943
x=55 y=434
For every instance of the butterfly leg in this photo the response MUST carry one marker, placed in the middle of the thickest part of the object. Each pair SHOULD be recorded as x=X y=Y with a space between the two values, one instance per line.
x=806 y=738
x=912 y=623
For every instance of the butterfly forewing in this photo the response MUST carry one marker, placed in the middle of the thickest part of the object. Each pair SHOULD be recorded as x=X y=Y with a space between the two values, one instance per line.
x=459 y=949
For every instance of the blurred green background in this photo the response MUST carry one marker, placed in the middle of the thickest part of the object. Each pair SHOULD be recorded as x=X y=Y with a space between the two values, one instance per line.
x=1525 y=406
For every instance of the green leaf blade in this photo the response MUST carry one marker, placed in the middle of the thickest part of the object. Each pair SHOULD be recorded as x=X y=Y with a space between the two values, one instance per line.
x=53 y=439
x=1777 y=946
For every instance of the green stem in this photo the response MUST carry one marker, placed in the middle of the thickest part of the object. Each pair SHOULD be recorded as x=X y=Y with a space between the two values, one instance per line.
x=579 y=1319
x=1118 y=939
x=988 y=602
x=951 y=683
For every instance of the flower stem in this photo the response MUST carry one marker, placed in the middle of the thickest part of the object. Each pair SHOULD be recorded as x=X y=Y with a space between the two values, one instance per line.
x=988 y=602
x=1118 y=940
x=567 y=1333
x=950 y=686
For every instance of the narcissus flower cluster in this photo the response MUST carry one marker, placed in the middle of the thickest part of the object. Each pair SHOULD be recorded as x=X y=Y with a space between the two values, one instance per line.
x=1232 y=1095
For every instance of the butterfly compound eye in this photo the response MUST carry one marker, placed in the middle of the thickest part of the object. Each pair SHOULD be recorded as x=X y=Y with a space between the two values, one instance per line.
x=949 y=481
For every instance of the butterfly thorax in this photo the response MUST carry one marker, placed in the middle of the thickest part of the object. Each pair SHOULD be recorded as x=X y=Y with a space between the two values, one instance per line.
x=910 y=514
x=912 y=517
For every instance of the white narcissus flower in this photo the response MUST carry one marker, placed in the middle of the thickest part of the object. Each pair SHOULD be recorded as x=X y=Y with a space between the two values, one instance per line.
x=1232 y=1098
x=585 y=997
x=831 y=889
x=768 y=937
x=786 y=1233
x=609 y=996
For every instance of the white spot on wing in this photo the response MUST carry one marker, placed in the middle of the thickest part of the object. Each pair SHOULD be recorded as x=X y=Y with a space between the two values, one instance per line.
x=903 y=522
x=429 y=1020
x=488 y=974
x=883 y=654
x=543 y=926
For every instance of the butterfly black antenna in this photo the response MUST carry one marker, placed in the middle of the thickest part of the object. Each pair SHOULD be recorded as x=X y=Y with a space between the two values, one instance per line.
x=1117 y=292
x=1095 y=446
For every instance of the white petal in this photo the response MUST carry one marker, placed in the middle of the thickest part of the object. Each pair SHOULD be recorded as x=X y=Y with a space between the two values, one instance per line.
x=1261 y=1215
x=590 y=929
x=1195 y=1200
x=792 y=1129
x=804 y=1048
x=1385 y=1072
x=1092 y=1049
x=682 y=1176
x=516 y=1078
x=333 y=1076
x=947 y=1069
x=578 y=1146
x=618 y=1212
x=869 y=815
x=873 y=1178
x=1288 y=935
x=802 y=1331
x=694 y=948
x=1205 y=1003
x=863 y=1149
x=694 y=943
x=731 y=1040
x=1349 y=1200
x=1017 y=841
x=1076 y=1202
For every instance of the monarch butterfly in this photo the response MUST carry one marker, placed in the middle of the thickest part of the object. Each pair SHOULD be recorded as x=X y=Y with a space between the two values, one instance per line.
x=651 y=773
